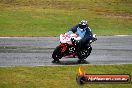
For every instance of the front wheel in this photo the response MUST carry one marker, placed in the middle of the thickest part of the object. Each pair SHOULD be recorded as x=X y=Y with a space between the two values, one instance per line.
x=57 y=54
x=84 y=53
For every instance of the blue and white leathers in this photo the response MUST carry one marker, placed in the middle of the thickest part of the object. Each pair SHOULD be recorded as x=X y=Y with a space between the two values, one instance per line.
x=81 y=33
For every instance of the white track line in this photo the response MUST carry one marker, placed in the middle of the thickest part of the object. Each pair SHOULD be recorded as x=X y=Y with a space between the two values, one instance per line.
x=121 y=35
x=9 y=37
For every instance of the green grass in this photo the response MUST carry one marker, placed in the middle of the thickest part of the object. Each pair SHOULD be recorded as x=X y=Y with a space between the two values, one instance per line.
x=53 y=17
x=58 y=76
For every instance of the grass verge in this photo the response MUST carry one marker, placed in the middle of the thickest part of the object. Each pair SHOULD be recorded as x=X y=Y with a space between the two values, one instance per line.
x=58 y=76
x=53 y=17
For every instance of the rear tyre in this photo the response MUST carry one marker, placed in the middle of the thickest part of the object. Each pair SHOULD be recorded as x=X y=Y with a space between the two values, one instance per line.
x=56 y=54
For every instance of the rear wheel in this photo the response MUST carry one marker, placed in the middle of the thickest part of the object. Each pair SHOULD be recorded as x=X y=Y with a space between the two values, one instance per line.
x=57 y=54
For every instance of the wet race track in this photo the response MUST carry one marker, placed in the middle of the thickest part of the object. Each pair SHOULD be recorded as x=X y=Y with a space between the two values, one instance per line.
x=37 y=51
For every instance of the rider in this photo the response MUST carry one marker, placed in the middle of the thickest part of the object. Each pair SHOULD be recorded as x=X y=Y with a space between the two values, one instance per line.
x=84 y=31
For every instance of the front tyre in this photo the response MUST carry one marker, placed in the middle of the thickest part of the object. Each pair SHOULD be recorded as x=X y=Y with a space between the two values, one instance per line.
x=57 y=54
x=84 y=53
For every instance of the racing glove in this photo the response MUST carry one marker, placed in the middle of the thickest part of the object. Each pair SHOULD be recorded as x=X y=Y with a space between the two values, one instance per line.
x=94 y=39
x=75 y=42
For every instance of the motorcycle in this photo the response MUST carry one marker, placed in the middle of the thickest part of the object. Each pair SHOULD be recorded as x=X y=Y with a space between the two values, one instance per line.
x=67 y=49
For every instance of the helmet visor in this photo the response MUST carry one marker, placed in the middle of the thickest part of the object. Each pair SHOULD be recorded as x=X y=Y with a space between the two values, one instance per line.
x=82 y=26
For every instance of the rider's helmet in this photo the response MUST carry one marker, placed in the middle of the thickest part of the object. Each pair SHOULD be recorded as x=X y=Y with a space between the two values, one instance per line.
x=83 y=24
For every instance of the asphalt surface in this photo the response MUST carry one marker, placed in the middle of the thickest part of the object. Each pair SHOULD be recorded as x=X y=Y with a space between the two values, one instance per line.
x=37 y=51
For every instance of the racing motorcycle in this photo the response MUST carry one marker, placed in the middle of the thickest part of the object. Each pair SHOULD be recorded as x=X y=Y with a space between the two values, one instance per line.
x=67 y=49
